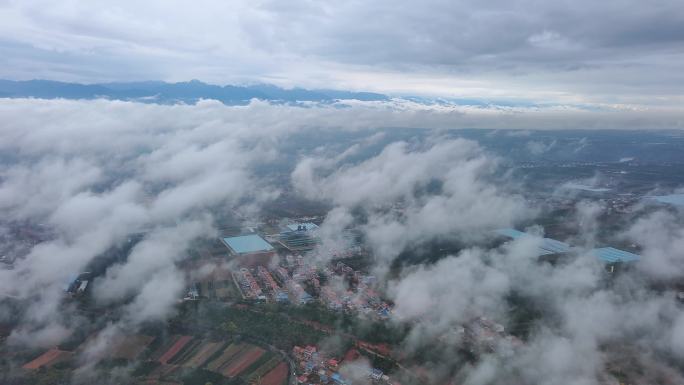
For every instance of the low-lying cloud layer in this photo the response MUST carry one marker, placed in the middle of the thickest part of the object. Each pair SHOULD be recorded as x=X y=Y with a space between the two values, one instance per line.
x=97 y=172
x=120 y=169
x=412 y=194
x=585 y=329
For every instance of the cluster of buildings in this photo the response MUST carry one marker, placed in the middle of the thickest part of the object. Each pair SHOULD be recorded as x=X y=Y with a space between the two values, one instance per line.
x=276 y=292
x=248 y=285
x=307 y=273
x=481 y=335
x=193 y=293
x=297 y=292
x=329 y=297
x=19 y=238
x=295 y=280
x=254 y=253
x=314 y=367
x=251 y=288
x=360 y=297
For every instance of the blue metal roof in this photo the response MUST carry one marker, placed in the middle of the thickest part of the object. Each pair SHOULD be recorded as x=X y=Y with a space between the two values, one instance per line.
x=548 y=245
x=511 y=233
x=247 y=244
x=70 y=282
x=612 y=255
x=553 y=246
x=673 y=199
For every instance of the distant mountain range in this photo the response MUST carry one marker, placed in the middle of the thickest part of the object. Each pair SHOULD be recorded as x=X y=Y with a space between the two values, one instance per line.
x=185 y=92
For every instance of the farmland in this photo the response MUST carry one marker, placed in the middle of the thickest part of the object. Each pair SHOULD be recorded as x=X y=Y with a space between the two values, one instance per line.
x=181 y=354
x=174 y=349
x=264 y=367
x=184 y=358
x=203 y=354
x=230 y=360
x=242 y=360
x=276 y=376
x=130 y=347
x=225 y=356
x=47 y=359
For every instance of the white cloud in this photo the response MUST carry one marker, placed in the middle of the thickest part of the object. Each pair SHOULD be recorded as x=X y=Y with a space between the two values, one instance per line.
x=394 y=189
x=95 y=171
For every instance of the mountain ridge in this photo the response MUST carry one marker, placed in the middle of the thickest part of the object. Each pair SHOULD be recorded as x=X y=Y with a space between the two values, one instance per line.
x=184 y=92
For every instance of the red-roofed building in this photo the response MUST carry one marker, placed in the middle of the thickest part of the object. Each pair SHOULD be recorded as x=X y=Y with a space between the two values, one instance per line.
x=351 y=355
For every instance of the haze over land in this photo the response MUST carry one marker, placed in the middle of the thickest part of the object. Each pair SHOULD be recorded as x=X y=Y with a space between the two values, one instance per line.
x=410 y=136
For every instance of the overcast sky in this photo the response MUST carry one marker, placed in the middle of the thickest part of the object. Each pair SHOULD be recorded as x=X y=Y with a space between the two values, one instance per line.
x=613 y=52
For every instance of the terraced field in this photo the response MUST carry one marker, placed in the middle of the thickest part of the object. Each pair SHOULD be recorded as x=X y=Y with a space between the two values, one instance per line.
x=249 y=362
x=225 y=357
x=202 y=354
x=277 y=376
x=163 y=347
x=242 y=361
x=174 y=349
x=186 y=352
x=259 y=369
x=130 y=347
x=47 y=359
x=177 y=356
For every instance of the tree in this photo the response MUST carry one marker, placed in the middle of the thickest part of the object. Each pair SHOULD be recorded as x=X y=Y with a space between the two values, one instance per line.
x=229 y=327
